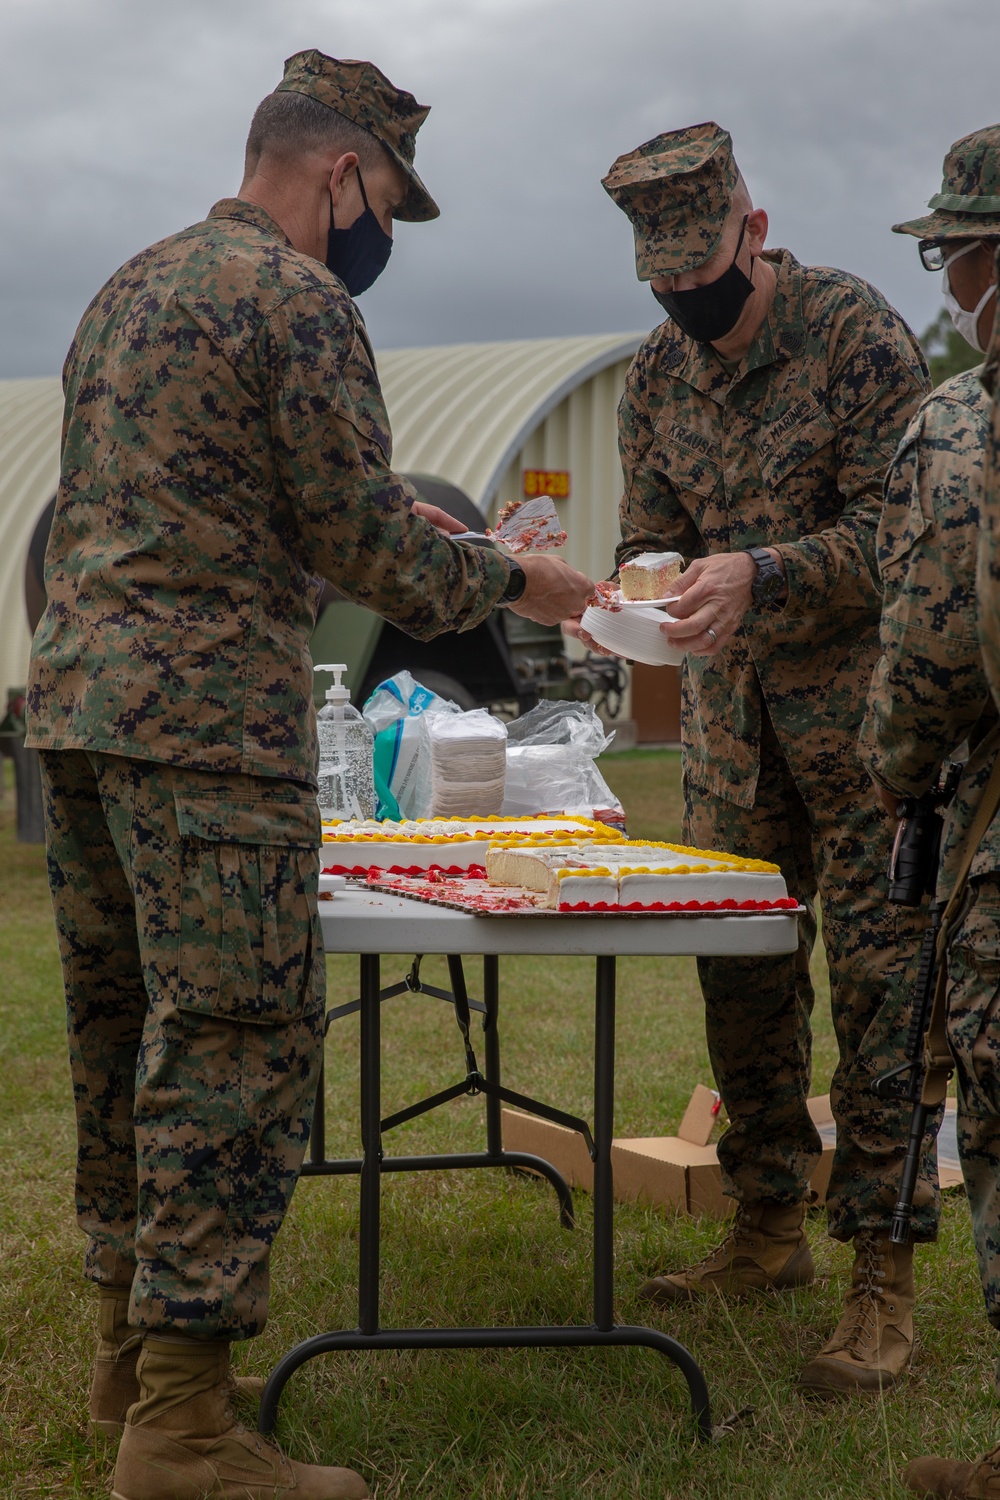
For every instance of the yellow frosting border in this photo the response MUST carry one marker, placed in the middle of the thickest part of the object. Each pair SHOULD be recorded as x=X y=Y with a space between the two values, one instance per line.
x=733 y=861
x=339 y=832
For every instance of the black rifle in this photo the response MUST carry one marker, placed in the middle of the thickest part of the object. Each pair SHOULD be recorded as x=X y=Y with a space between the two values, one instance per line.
x=913 y=868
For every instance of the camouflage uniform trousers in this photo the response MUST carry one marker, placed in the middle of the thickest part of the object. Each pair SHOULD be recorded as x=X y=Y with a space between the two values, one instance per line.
x=831 y=841
x=974 y=1037
x=186 y=909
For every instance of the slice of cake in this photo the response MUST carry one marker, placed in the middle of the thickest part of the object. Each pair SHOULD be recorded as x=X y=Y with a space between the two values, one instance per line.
x=701 y=888
x=573 y=889
x=649 y=575
x=520 y=864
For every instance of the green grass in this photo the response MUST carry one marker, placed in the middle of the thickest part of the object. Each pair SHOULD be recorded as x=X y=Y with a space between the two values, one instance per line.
x=479 y=1248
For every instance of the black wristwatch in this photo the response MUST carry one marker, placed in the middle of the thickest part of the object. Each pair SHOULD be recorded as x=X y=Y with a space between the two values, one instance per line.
x=769 y=583
x=516 y=585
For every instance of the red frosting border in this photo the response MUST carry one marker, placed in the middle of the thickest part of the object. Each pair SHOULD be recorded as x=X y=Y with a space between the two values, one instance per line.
x=375 y=872
x=784 y=903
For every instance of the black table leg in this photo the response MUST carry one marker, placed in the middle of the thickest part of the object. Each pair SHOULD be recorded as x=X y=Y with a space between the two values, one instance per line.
x=604 y=1124
x=317 y=1136
x=488 y=1084
x=603 y=1333
x=371 y=1144
x=491 y=1047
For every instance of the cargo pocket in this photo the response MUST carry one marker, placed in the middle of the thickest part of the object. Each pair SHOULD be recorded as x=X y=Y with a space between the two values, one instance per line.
x=974 y=998
x=250 y=947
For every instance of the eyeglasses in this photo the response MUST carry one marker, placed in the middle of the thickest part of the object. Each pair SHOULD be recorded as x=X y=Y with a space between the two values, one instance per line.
x=932 y=255
x=935 y=254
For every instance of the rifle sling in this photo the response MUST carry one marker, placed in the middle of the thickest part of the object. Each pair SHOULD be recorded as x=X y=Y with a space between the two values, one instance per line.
x=937 y=1055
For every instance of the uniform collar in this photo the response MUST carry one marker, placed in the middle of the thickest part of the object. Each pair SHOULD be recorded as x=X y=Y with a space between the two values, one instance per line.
x=780 y=336
x=248 y=213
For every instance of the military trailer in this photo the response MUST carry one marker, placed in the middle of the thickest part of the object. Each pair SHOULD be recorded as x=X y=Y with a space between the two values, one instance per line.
x=505 y=663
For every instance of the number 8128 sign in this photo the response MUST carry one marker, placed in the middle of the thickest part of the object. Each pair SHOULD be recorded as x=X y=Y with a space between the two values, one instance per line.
x=554 y=482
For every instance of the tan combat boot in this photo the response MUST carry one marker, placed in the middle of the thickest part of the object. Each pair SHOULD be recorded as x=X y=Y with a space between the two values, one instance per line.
x=765 y=1250
x=873 y=1341
x=949 y=1476
x=116 y=1385
x=182 y=1441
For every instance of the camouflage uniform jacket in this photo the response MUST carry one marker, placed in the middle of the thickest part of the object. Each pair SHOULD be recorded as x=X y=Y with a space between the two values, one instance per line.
x=929 y=692
x=789 y=452
x=225 y=441
x=988 y=576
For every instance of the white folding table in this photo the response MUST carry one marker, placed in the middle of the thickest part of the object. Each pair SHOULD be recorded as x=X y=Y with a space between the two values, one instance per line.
x=371 y=924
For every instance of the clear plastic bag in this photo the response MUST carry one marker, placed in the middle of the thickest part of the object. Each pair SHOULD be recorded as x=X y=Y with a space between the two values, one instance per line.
x=431 y=759
x=561 y=723
x=402 y=769
x=551 y=752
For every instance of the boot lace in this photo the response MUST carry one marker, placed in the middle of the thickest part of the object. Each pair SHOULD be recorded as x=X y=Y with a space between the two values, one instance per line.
x=990 y=1461
x=867 y=1296
x=741 y=1235
x=261 y=1446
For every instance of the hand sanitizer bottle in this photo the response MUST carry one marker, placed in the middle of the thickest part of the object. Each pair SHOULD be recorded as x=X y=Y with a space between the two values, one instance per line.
x=346 y=749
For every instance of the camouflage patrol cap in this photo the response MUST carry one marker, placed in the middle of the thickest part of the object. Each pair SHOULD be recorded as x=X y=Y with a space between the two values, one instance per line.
x=363 y=94
x=968 y=205
x=677 y=189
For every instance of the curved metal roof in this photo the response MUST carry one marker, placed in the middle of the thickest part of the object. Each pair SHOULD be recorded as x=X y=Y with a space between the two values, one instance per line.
x=30 y=422
x=463 y=411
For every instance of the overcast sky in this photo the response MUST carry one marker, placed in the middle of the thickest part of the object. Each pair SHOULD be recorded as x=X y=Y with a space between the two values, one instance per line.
x=124 y=120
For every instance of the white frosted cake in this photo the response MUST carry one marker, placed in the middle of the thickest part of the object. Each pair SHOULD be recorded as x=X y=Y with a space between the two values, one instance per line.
x=455 y=846
x=624 y=876
x=649 y=575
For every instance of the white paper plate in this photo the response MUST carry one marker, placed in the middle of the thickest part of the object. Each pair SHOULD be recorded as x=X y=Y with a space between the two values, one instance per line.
x=633 y=633
x=645 y=603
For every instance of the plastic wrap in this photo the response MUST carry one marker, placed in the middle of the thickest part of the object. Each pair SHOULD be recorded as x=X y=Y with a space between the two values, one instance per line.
x=551 y=753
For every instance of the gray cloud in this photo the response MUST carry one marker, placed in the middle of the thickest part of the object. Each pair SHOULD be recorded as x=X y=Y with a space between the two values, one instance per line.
x=120 y=121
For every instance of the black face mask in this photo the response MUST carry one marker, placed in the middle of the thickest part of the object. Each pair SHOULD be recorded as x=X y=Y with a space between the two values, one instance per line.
x=358 y=254
x=707 y=313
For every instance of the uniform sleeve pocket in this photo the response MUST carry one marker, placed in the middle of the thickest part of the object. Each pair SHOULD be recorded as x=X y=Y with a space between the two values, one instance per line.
x=250 y=947
x=903 y=520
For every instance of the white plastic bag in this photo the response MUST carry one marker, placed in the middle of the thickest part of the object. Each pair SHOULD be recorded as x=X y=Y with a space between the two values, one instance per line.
x=395 y=712
x=551 y=752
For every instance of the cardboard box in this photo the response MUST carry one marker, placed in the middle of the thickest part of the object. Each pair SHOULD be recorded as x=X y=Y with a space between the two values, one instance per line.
x=682 y=1171
x=673 y=1171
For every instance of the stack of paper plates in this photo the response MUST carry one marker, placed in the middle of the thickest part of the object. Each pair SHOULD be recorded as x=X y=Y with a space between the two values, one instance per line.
x=633 y=633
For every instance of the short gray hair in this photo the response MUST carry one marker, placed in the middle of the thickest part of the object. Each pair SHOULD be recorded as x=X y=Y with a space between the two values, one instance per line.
x=287 y=124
